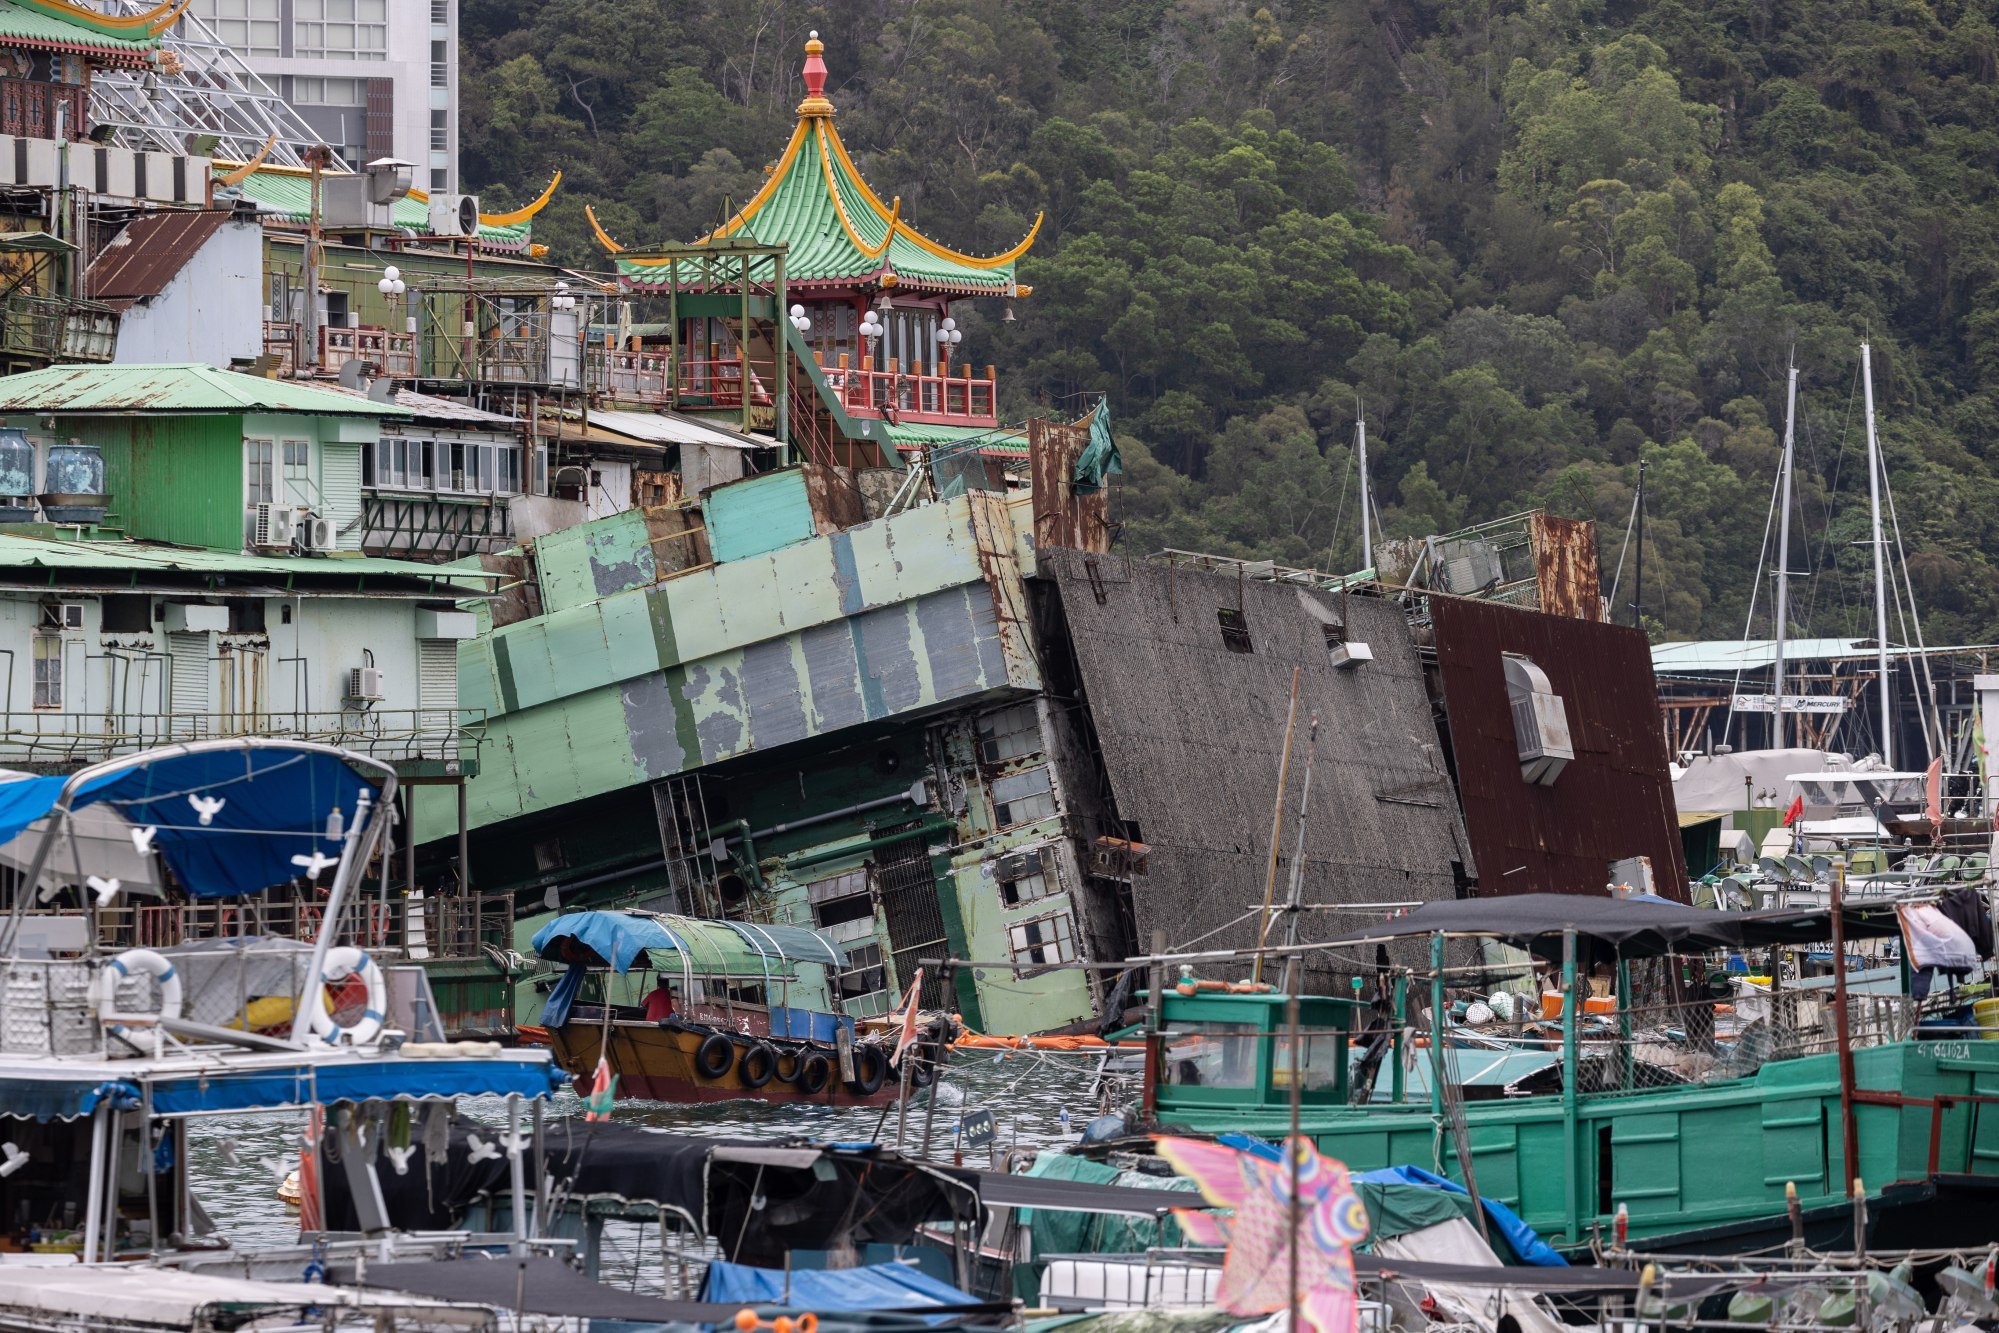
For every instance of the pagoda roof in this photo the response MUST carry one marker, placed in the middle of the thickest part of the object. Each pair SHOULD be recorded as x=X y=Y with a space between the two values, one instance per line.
x=836 y=229
x=54 y=25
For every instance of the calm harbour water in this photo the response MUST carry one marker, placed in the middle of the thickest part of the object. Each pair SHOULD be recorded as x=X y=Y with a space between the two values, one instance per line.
x=1027 y=1093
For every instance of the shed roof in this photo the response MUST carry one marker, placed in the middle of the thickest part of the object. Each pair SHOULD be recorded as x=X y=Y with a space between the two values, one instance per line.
x=149 y=254
x=430 y=407
x=674 y=428
x=839 y=232
x=60 y=27
x=1728 y=655
x=127 y=563
x=180 y=387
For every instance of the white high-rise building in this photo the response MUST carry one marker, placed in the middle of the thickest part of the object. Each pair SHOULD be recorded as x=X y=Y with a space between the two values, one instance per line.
x=376 y=78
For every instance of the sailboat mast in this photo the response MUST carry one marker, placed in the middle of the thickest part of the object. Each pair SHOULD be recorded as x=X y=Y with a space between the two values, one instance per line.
x=1784 y=542
x=1366 y=497
x=1880 y=575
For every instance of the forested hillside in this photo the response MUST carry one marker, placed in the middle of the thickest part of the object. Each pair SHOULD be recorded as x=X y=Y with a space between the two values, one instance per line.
x=1538 y=241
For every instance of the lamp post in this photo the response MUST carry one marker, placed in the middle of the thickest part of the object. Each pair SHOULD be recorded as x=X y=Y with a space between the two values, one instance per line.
x=949 y=335
x=391 y=284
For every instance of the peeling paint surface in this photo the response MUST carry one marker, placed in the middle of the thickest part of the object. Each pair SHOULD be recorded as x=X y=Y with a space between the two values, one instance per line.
x=894 y=617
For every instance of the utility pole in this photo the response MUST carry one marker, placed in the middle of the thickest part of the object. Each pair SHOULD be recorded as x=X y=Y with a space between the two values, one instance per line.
x=1784 y=540
x=318 y=158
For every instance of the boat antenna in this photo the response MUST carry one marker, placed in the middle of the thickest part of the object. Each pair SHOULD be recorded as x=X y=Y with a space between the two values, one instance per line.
x=1887 y=724
x=1638 y=568
x=1784 y=538
x=1366 y=497
x=1294 y=897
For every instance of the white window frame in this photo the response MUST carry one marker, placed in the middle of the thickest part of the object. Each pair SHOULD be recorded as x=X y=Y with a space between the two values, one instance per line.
x=47 y=685
x=260 y=470
x=296 y=477
x=1060 y=935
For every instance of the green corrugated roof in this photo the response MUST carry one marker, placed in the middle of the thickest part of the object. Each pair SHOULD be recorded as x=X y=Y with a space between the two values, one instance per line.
x=131 y=558
x=28 y=24
x=802 y=207
x=174 y=388
x=1007 y=440
x=289 y=196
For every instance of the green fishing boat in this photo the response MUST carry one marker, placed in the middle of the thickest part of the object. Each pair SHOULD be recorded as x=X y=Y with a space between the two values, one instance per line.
x=1697 y=1121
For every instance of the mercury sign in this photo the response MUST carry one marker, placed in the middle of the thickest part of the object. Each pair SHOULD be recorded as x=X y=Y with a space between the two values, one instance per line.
x=1793 y=703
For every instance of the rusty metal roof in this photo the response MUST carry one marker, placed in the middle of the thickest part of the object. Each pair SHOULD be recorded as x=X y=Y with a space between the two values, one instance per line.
x=149 y=254
x=1615 y=798
x=184 y=387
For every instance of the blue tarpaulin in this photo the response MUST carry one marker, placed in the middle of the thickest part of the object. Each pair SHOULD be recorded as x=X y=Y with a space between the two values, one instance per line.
x=885 y=1288
x=274 y=801
x=723 y=948
x=55 y=1098
x=1526 y=1241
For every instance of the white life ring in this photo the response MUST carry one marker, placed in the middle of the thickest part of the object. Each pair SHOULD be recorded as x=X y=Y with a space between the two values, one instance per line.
x=342 y=962
x=132 y=961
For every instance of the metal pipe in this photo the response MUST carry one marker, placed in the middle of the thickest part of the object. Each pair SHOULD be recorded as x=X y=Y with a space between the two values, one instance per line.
x=1880 y=576
x=329 y=924
x=1437 y=1026
x=93 y=1208
x=1396 y=1077
x=1784 y=543
x=517 y=1173
x=1848 y=1132
x=1366 y=496
x=1572 y=1225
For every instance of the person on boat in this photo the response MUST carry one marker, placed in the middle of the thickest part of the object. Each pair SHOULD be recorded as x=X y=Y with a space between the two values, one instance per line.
x=659 y=1003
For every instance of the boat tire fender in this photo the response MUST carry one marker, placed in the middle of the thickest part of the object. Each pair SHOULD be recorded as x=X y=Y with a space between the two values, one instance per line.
x=714 y=1056
x=759 y=1062
x=342 y=962
x=790 y=1064
x=869 y=1071
x=815 y=1071
x=155 y=965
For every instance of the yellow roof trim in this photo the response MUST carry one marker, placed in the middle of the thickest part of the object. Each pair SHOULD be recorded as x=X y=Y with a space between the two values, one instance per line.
x=242 y=173
x=160 y=25
x=92 y=18
x=840 y=204
x=603 y=237
x=916 y=237
x=762 y=196
x=520 y=215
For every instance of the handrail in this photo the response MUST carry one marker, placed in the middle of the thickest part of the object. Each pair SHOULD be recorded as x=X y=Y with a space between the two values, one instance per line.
x=406 y=733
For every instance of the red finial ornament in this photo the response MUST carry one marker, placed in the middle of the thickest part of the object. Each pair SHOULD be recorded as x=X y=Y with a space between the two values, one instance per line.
x=815 y=103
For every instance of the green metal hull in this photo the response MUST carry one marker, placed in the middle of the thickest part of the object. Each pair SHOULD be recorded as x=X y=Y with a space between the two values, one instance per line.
x=1679 y=1159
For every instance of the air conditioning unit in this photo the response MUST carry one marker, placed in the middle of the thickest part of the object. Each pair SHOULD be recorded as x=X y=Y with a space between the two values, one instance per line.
x=71 y=615
x=276 y=525
x=316 y=533
x=454 y=215
x=364 y=683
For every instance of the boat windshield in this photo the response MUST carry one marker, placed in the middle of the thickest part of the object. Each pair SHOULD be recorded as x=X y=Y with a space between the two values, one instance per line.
x=1862 y=790
x=1203 y=1054
x=1322 y=1061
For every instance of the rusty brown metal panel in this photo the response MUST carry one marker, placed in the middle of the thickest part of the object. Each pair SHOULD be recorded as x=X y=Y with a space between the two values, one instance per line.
x=1565 y=567
x=834 y=496
x=1062 y=517
x=1614 y=800
x=146 y=255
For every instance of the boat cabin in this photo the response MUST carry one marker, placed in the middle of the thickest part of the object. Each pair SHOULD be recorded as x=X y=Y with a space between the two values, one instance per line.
x=1235 y=1049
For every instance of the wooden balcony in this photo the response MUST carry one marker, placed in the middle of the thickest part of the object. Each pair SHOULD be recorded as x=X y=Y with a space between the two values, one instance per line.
x=947 y=396
x=393 y=353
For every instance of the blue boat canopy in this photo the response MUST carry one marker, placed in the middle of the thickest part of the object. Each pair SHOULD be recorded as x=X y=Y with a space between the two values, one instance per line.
x=45 y=1094
x=228 y=816
x=711 y=948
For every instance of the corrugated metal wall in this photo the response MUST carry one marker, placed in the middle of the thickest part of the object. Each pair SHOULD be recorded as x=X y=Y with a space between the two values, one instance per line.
x=189 y=656
x=1191 y=730
x=1614 y=800
x=177 y=479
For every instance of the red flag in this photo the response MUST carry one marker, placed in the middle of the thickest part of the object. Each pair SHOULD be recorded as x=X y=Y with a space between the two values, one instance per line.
x=907 y=1037
x=1797 y=809
x=603 y=1090
x=1933 y=793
